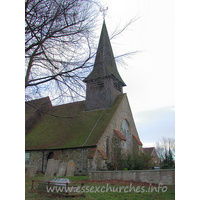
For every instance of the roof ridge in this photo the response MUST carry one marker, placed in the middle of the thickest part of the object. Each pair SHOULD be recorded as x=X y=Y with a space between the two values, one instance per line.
x=36 y=108
x=69 y=103
x=37 y=99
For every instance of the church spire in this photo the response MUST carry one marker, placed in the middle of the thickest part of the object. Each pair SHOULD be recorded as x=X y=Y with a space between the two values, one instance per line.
x=104 y=83
x=105 y=62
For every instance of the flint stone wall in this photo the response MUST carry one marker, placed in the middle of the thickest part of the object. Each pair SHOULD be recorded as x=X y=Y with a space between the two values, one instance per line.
x=39 y=158
x=164 y=176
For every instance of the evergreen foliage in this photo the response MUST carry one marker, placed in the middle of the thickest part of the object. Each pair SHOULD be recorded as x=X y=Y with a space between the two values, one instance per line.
x=130 y=161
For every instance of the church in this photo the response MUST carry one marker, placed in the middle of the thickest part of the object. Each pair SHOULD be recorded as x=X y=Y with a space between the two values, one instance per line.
x=84 y=133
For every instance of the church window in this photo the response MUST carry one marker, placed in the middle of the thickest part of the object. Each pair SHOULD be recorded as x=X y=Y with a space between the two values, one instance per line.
x=107 y=147
x=50 y=156
x=125 y=131
x=27 y=158
x=100 y=84
x=118 y=86
x=128 y=140
x=125 y=135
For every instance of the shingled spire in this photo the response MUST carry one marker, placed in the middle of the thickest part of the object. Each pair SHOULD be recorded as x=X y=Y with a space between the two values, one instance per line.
x=104 y=83
x=105 y=62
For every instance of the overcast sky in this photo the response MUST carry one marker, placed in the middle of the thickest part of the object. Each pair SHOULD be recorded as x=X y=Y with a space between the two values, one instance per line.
x=151 y=86
x=150 y=74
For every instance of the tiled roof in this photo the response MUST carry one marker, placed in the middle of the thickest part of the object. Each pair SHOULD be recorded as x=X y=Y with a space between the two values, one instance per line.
x=34 y=109
x=68 y=126
x=148 y=150
x=91 y=153
x=120 y=135
x=138 y=140
x=32 y=106
x=103 y=154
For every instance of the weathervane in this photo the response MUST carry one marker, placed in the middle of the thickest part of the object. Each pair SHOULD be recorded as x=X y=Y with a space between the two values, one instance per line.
x=104 y=12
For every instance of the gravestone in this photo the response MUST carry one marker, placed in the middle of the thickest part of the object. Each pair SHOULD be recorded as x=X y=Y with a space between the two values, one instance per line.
x=52 y=167
x=61 y=169
x=60 y=181
x=31 y=171
x=70 y=168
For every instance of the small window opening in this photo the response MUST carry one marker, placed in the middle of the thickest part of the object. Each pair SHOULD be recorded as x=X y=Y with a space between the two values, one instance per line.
x=118 y=86
x=50 y=156
x=27 y=158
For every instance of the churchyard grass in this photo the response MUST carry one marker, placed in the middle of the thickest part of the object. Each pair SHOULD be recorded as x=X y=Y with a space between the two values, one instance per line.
x=32 y=195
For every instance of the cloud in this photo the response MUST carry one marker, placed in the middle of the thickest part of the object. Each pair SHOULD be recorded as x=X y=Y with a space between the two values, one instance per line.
x=155 y=124
x=147 y=144
x=172 y=108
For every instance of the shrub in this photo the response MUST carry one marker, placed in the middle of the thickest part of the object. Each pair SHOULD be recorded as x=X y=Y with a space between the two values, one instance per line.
x=135 y=161
x=130 y=161
x=110 y=166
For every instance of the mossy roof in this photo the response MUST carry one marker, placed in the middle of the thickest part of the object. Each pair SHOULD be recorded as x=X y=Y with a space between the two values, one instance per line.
x=32 y=106
x=68 y=126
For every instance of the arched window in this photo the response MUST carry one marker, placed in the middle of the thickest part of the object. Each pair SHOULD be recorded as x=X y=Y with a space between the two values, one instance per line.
x=27 y=157
x=125 y=131
x=107 y=147
x=50 y=156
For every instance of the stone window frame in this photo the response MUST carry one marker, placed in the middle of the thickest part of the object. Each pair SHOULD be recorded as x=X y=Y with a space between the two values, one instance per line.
x=128 y=141
x=107 y=146
x=27 y=158
x=50 y=155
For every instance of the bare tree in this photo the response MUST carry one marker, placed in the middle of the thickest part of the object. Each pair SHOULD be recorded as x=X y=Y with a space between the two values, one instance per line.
x=164 y=147
x=59 y=46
